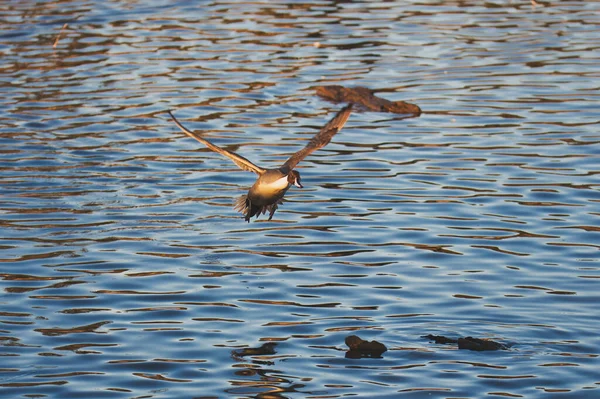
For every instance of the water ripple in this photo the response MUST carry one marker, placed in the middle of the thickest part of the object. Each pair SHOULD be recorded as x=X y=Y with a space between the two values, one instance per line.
x=125 y=271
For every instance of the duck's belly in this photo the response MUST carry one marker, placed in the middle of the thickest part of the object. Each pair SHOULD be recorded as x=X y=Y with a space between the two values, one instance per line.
x=266 y=194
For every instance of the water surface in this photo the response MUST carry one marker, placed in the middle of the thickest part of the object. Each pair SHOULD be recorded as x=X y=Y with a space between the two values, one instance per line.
x=126 y=273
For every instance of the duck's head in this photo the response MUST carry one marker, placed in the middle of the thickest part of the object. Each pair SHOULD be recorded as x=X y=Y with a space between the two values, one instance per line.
x=294 y=178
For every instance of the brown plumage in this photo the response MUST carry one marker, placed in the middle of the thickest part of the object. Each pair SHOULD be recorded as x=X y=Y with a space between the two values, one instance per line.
x=271 y=185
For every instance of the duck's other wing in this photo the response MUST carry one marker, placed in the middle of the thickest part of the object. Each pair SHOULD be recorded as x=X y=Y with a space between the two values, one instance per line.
x=320 y=140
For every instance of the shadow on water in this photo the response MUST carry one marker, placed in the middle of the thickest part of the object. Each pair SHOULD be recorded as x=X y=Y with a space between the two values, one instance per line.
x=125 y=271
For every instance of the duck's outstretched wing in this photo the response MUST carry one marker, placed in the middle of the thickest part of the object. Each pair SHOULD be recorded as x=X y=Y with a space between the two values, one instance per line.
x=320 y=140
x=239 y=160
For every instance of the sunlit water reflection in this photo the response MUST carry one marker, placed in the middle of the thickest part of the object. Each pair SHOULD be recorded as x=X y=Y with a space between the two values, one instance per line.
x=127 y=273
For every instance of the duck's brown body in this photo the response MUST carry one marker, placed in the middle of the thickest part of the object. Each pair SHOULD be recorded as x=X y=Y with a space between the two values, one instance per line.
x=271 y=185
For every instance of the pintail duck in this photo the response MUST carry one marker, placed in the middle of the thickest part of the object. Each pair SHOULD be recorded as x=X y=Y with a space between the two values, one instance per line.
x=272 y=184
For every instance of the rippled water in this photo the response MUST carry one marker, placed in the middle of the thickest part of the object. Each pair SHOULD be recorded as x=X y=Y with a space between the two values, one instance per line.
x=126 y=273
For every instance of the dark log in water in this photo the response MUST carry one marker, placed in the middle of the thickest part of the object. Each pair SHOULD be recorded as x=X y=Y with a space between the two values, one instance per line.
x=470 y=343
x=365 y=98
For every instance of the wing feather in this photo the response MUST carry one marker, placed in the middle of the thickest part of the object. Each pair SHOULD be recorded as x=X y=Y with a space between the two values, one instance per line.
x=239 y=160
x=321 y=139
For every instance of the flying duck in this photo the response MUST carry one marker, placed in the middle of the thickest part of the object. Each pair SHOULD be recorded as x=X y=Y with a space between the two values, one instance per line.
x=272 y=184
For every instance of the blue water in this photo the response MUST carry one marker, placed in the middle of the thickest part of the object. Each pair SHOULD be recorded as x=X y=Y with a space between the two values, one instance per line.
x=126 y=273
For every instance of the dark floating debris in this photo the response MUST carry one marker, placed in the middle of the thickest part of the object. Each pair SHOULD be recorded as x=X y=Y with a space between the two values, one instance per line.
x=360 y=348
x=365 y=97
x=265 y=349
x=470 y=343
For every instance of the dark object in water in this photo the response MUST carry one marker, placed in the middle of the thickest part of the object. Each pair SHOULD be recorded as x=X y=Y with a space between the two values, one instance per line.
x=478 y=344
x=360 y=348
x=365 y=97
x=440 y=339
x=470 y=343
x=265 y=349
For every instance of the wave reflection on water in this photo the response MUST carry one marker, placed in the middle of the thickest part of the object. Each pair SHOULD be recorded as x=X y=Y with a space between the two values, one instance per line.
x=125 y=272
